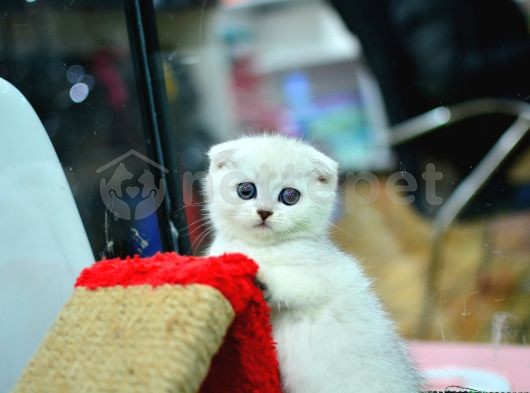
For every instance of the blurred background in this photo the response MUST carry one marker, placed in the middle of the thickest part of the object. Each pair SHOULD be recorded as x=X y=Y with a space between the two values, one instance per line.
x=345 y=75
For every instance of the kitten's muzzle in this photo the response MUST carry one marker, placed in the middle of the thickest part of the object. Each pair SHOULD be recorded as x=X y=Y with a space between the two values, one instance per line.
x=264 y=214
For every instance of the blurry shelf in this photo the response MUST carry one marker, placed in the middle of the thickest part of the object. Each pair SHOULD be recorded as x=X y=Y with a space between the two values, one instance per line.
x=302 y=56
x=305 y=34
x=254 y=5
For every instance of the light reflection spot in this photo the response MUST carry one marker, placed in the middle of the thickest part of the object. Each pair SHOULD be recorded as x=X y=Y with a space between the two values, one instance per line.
x=79 y=92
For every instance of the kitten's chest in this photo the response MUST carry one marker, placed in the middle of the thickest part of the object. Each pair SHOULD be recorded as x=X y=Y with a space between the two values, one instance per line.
x=269 y=255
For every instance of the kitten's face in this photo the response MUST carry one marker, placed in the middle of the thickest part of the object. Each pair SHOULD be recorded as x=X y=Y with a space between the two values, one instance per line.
x=267 y=189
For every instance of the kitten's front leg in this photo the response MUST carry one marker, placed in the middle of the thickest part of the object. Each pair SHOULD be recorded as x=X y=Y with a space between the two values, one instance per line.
x=293 y=286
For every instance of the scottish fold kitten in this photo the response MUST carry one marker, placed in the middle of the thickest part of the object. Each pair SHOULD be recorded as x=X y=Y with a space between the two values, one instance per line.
x=271 y=197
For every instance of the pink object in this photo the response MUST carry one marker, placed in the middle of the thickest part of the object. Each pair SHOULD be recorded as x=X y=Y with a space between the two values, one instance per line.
x=486 y=367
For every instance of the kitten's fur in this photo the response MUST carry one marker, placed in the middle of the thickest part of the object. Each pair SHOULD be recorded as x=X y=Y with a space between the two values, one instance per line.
x=331 y=332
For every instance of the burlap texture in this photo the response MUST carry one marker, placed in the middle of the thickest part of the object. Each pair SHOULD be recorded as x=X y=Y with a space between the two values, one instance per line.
x=132 y=339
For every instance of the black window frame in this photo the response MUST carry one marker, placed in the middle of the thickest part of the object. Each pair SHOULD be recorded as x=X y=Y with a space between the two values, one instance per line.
x=160 y=134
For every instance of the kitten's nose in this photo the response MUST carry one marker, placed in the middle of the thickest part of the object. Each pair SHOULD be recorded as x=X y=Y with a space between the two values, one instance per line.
x=264 y=214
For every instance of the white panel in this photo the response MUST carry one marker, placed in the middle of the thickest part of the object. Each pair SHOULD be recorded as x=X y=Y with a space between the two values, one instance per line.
x=43 y=245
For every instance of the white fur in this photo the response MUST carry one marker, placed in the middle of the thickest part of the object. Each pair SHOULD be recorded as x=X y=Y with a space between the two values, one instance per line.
x=332 y=334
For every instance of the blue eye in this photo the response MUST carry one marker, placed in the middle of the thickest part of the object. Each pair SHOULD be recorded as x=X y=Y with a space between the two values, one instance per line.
x=289 y=196
x=246 y=190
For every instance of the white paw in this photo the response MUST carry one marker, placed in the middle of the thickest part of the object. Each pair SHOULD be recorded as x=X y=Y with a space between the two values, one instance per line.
x=279 y=286
x=270 y=284
x=264 y=288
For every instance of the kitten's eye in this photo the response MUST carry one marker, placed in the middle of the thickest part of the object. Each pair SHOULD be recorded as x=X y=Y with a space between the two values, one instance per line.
x=246 y=190
x=289 y=196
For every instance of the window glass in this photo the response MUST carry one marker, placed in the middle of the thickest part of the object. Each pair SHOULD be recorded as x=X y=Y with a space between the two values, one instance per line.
x=311 y=69
x=72 y=61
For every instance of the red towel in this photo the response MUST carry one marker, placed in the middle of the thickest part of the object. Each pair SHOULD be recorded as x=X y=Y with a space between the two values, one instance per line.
x=246 y=362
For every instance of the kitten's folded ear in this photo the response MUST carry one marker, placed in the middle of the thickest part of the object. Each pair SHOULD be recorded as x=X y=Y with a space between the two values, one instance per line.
x=325 y=169
x=222 y=155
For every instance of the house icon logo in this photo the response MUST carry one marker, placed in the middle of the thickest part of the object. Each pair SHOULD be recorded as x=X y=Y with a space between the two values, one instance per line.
x=128 y=196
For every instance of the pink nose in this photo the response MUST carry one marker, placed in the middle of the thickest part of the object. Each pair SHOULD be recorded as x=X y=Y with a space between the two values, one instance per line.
x=264 y=214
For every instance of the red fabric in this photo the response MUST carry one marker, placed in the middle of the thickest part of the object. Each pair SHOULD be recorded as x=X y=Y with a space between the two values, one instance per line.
x=246 y=362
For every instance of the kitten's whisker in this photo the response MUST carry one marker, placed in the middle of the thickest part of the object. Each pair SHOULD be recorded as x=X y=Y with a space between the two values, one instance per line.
x=200 y=220
x=201 y=229
x=194 y=244
x=340 y=229
x=198 y=245
x=203 y=226
x=188 y=205
x=201 y=238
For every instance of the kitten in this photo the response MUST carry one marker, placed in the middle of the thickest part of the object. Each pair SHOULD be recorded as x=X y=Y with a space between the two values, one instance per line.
x=271 y=197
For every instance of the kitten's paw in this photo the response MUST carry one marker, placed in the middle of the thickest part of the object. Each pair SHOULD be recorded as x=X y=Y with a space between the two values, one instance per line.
x=264 y=289
x=293 y=287
x=276 y=286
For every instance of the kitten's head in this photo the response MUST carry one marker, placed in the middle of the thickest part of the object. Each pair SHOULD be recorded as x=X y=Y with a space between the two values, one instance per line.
x=266 y=189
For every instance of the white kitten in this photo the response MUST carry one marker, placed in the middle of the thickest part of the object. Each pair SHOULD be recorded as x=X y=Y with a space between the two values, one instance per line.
x=271 y=197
